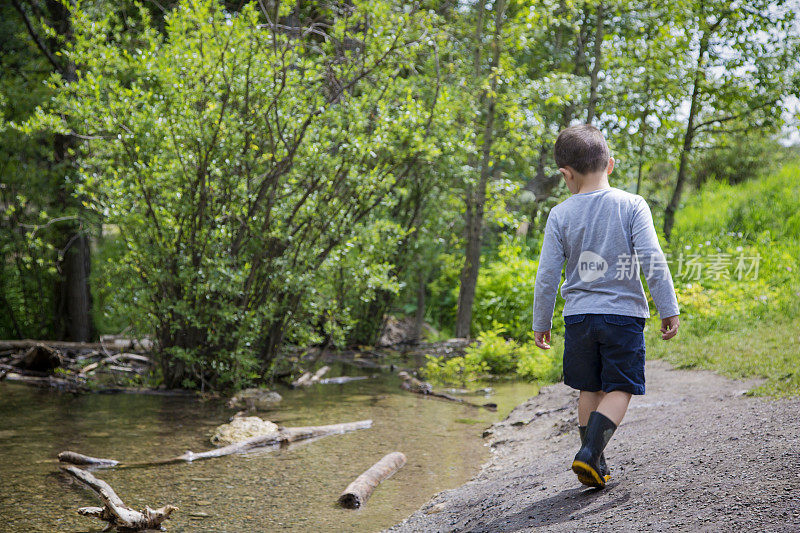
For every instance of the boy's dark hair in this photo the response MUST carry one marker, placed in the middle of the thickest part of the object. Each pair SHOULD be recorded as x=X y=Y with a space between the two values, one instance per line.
x=583 y=148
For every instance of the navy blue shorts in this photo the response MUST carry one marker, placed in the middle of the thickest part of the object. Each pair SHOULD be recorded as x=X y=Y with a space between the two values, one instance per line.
x=604 y=353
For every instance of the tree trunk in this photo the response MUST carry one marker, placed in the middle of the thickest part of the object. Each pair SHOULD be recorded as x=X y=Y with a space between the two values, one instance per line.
x=688 y=139
x=598 y=61
x=73 y=297
x=476 y=198
x=419 y=314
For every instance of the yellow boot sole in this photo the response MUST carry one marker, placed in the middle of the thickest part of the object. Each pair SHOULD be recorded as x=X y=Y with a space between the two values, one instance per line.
x=588 y=475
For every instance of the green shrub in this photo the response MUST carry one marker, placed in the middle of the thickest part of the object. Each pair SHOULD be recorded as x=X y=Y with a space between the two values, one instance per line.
x=535 y=364
x=753 y=219
x=492 y=354
x=492 y=349
x=454 y=371
x=504 y=292
x=740 y=327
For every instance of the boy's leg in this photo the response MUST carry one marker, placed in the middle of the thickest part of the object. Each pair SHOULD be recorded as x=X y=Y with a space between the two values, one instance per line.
x=588 y=401
x=613 y=405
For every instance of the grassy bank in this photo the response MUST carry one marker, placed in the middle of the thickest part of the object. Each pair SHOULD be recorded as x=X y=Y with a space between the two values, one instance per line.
x=738 y=323
x=766 y=349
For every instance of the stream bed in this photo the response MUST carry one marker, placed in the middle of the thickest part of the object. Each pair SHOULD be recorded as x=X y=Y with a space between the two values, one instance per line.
x=293 y=488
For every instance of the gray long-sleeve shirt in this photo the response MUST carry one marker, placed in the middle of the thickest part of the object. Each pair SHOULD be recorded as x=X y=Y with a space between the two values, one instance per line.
x=597 y=237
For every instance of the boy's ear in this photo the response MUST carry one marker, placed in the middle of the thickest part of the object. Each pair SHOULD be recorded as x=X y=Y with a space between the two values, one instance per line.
x=565 y=172
x=610 y=165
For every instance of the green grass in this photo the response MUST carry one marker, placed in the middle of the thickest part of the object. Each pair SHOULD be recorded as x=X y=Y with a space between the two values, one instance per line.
x=767 y=350
x=749 y=327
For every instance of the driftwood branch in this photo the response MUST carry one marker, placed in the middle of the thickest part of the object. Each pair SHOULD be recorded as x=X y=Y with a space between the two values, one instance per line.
x=114 y=511
x=282 y=437
x=358 y=492
x=84 y=460
x=412 y=384
x=67 y=384
x=30 y=343
x=341 y=379
x=309 y=379
x=122 y=356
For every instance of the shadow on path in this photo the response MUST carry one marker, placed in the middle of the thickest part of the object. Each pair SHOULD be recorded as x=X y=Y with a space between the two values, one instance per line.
x=565 y=506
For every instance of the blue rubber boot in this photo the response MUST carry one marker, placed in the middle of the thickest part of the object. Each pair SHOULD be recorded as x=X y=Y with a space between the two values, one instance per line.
x=587 y=461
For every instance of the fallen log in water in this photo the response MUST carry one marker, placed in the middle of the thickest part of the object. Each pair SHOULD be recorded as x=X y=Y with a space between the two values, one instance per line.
x=309 y=379
x=67 y=384
x=282 y=437
x=80 y=459
x=424 y=388
x=114 y=511
x=357 y=492
x=30 y=343
x=341 y=379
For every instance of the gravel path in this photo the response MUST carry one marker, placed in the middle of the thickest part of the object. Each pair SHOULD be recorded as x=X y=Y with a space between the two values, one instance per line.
x=694 y=454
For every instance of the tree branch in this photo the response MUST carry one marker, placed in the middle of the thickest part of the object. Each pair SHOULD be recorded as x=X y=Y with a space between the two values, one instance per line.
x=36 y=38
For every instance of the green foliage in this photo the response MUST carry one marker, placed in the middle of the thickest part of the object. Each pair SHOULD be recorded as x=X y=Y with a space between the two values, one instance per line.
x=544 y=366
x=741 y=327
x=504 y=293
x=247 y=185
x=236 y=218
x=492 y=349
x=737 y=158
x=495 y=355
x=29 y=247
x=457 y=370
x=755 y=221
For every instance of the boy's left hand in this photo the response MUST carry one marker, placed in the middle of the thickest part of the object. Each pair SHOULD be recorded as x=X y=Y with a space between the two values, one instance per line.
x=542 y=339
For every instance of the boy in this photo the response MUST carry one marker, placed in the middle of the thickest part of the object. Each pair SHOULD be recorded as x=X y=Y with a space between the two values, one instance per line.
x=600 y=232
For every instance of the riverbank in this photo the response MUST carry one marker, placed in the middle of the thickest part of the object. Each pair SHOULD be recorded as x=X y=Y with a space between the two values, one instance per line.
x=694 y=454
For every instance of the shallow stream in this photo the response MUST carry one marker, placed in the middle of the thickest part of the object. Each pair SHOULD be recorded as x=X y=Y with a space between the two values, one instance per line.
x=293 y=488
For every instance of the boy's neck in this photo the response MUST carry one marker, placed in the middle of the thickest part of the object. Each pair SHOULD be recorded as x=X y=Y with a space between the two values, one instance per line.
x=594 y=182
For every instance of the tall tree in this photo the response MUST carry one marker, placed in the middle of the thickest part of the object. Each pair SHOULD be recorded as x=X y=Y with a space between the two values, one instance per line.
x=49 y=28
x=740 y=75
x=475 y=199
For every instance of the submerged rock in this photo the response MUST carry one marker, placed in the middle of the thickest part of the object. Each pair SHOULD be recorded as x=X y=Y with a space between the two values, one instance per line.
x=242 y=428
x=255 y=399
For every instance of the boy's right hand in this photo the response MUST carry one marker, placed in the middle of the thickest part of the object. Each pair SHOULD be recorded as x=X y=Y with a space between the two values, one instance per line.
x=669 y=327
x=542 y=339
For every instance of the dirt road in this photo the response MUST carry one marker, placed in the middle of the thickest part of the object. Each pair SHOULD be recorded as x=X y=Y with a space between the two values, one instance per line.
x=694 y=454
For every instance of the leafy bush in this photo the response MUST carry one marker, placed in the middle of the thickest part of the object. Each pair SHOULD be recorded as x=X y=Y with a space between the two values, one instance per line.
x=535 y=364
x=454 y=371
x=741 y=327
x=232 y=217
x=735 y=159
x=497 y=352
x=504 y=292
x=492 y=354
